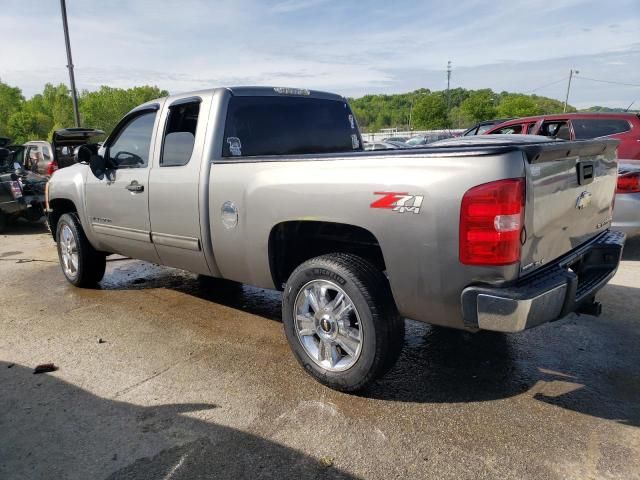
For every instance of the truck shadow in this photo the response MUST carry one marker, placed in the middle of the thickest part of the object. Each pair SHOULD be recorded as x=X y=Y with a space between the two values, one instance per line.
x=585 y=364
x=631 y=249
x=53 y=429
x=23 y=227
x=124 y=274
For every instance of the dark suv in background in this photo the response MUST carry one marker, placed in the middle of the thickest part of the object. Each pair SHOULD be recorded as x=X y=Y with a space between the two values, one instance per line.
x=576 y=126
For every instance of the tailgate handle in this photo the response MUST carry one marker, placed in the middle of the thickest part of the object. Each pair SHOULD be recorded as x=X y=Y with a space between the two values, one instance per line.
x=586 y=173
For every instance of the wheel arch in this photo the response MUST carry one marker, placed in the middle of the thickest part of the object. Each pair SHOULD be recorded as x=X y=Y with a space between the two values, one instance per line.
x=296 y=241
x=57 y=208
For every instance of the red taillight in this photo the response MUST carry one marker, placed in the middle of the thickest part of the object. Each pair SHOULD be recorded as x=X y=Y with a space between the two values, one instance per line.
x=16 y=189
x=491 y=219
x=52 y=166
x=628 y=183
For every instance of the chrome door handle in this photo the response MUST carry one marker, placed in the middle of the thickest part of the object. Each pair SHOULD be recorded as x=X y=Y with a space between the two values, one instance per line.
x=135 y=187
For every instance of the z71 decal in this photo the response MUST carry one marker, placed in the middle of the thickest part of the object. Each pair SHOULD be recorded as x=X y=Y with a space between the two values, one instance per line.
x=398 y=202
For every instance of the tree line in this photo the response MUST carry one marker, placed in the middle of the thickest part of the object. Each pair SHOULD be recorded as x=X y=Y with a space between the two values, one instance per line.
x=38 y=117
x=424 y=109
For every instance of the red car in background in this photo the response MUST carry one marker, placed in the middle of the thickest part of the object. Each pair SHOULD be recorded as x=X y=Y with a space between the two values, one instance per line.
x=576 y=126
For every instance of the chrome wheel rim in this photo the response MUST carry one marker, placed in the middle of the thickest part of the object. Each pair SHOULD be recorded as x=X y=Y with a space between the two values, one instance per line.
x=69 y=252
x=328 y=325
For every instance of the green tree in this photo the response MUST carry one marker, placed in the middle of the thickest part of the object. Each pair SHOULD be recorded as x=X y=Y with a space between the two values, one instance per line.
x=548 y=106
x=55 y=103
x=459 y=119
x=479 y=105
x=11 y=101
x=23 y=126
x=517 y=105
x=430 y=112
x=103 y=108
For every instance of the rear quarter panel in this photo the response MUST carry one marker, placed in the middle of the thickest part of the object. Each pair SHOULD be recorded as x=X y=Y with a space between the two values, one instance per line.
x=420 y=250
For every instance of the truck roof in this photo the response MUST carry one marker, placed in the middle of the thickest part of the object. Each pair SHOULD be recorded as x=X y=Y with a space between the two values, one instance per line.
x=254 y=91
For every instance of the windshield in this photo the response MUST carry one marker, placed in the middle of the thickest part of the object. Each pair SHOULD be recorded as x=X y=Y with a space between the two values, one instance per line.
x=416 y=141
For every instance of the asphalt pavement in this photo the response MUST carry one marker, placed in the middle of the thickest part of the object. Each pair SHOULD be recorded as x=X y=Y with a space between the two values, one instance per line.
x=163 y=376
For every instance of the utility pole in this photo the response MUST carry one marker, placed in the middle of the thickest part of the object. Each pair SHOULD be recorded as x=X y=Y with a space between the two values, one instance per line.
x=448 y=86
x=74 y=95
x=566 y=99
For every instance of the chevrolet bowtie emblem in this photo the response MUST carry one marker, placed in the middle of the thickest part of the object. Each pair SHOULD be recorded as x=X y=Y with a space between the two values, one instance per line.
x=583 y=201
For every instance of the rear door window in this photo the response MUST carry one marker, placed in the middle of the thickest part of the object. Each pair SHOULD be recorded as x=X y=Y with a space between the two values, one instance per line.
x=556 y=129
x=596 y=127
x=288 y=126
x=180 y=134
x=509 y=130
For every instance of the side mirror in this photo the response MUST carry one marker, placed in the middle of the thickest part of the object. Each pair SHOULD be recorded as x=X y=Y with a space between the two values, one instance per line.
x=89 y=154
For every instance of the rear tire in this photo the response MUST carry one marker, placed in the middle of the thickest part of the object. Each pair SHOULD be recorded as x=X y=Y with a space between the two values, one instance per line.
x=82 y=265
x=341 y=321
x=3 y=221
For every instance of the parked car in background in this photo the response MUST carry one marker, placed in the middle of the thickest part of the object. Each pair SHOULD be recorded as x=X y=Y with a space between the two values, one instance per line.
x=396 y=139
x=397 y=144
x=579 y=126
x=381 y=145
x=481 y=127
x=626 y=213
x=21 y=191
x=44 y=157
x=420 y=140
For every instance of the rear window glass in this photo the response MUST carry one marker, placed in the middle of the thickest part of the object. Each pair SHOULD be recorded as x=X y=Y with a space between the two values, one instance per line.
x=598 y=127
x=287 y=126
x=510 y=130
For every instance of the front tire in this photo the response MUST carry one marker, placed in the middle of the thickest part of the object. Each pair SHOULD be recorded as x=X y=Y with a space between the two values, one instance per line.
x=341 y=321
x=82 y=265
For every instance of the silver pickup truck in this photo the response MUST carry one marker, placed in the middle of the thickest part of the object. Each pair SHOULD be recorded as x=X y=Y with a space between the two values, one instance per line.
x=270 y=187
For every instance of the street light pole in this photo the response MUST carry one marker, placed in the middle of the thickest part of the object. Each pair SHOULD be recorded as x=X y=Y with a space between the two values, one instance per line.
x=72 y=81
x=448 y=85
x=566 y=99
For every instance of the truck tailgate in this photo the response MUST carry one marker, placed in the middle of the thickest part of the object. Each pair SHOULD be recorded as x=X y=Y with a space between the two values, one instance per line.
x=569 y=199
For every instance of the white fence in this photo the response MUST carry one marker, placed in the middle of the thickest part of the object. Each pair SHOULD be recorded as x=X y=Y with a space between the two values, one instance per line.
x=388 y=133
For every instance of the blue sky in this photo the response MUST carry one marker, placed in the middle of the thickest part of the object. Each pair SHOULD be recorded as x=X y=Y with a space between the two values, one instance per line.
x=349 y=47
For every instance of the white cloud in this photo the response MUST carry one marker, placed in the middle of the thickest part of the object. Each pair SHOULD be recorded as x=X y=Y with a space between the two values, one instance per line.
x=353 y=48
x=294 y=5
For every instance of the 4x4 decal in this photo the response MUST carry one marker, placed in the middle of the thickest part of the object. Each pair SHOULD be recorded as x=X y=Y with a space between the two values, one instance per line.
x=398 y=202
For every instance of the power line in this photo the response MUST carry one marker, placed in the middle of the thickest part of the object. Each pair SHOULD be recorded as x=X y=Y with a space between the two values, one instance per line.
x=581 y=77
x=546 y=85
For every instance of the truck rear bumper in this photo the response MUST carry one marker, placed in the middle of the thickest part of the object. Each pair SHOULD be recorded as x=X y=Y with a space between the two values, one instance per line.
x=567 y=285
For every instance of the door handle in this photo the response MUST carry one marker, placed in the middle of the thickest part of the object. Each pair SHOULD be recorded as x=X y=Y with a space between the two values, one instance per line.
x=135 y=187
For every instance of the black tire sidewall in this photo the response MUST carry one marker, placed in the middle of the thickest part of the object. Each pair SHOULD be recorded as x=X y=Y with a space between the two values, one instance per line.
x=362 y=371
